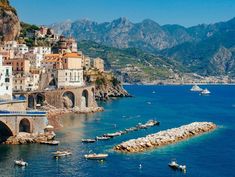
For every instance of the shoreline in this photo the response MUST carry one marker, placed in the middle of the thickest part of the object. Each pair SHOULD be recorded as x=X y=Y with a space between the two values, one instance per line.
x=54 y=115
x=179 y=84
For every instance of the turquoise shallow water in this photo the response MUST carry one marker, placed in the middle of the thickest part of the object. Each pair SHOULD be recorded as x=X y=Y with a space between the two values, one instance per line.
x=210 y=155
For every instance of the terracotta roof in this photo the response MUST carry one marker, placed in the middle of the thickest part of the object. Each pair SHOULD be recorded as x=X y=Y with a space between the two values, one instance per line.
x=72 y=55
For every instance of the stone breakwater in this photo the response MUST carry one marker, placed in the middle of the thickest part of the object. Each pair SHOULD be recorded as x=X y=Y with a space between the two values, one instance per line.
x=165 y=137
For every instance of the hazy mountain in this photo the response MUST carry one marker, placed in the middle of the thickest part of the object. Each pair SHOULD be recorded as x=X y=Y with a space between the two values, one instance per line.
x=205 y=49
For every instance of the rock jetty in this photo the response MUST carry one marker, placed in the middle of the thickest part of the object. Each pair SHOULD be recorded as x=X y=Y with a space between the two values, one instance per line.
x=29 y=138
x=165 y=137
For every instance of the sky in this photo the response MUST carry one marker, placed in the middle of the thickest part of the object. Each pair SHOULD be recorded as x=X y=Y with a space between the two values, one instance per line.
x=182 y=12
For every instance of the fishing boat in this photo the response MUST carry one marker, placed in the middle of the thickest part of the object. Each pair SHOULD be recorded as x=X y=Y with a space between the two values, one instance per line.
x=205 y=92
x=62 y=153
x=50 y=142
x=196 y=88
x=96 y=156
x=102 y=138
x=21 y=163
x=88 y=140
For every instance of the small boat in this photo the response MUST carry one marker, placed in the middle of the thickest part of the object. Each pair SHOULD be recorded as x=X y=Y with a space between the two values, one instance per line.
x=96 y=156
x=153 y=92
x=196 y=88
x=152 y=123
x=62 y=153
x=141 y=126
x=173 y=164
x=88 y=140
x=102 y=138
x=205 y=92
x=20 y=163
x=112 y=134
x=182 y=168
x=50 y=142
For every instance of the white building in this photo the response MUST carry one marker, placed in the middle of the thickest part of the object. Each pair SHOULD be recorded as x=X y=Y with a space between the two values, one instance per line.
x=34 y=59
x=22 y=49
x=26 y=82
x=5 y=81
x=10 y=45
x=41 y=50
x=69 y=78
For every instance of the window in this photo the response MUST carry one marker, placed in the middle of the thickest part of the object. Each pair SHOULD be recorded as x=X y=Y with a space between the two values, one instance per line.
x=6 y=87
x=7 y=72
x=7 y=80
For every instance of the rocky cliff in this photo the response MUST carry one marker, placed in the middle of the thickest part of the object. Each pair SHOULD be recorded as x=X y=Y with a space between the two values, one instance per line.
x=9 y=22
x=107 y=86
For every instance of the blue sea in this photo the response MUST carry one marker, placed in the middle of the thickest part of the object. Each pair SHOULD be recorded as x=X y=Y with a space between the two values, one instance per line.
x=209 y=155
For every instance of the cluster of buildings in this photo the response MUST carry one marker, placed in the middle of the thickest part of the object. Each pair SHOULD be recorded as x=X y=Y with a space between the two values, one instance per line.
x=24 y=69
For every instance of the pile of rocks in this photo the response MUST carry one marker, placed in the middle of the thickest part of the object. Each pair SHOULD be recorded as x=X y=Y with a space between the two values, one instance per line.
x=165 y=137
x=28 y=138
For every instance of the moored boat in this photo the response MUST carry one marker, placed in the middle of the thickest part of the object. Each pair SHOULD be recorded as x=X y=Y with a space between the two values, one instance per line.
x=205 y=92
x=88 y=140
x=50 y=142
x=173 y=164
x=21 y=163
x=102 y=138
x=96 y=156
x=196 y=88
x=112 y=134
x=62 y=153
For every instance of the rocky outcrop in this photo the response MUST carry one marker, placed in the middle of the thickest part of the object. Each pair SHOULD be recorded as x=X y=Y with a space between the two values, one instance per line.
x=166 y=137
x=106 y=92
x=9 y=22
x=28 y=138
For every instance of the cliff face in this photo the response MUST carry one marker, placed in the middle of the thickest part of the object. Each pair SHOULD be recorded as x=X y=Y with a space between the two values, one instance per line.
x=9 y=22
x=106 y=84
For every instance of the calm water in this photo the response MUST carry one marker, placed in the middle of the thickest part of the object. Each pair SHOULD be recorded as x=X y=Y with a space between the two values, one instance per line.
x=210 y=155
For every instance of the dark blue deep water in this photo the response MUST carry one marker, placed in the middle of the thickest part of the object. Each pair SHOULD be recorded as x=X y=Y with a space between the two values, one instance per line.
x=209 y=155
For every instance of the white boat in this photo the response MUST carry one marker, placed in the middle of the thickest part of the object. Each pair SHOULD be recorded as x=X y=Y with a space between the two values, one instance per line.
x=173 y=164
x=182 y=168
x=113 y=134
x=205 y=92
x=54 y=142
x=96 y=156
x=88 y=140
x=196 y=88
x=102 y=138
x=21 y=163
x=61 y=153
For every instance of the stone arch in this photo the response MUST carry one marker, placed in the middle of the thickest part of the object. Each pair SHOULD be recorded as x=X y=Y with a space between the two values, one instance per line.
x=5 y=132
x=84 y=100
x=68 y=99
x=24 y=126
x=40 y=99
x=31 y=101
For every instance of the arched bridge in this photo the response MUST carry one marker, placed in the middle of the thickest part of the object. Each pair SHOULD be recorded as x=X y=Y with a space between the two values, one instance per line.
x=11 y=123
x=62 y=98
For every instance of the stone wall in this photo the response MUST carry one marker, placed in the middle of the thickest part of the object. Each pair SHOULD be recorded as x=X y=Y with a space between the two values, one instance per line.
x=14 y=106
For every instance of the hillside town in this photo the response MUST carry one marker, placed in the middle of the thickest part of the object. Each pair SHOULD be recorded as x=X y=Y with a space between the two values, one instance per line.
x=26 y=68
x=43 y=80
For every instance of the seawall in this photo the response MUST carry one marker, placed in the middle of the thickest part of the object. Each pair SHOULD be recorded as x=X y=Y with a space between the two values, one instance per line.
x=165 y=137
